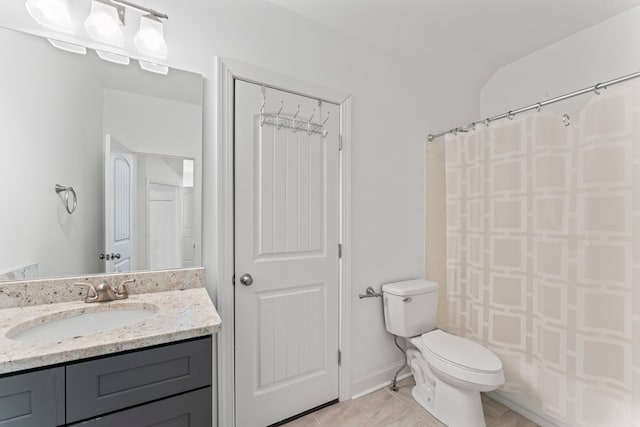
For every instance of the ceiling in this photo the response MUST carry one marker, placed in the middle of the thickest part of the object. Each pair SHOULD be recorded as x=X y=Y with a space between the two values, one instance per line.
x=487 y=33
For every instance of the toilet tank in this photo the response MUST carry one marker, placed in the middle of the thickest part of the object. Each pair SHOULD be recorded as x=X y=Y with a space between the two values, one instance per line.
x=410 y=307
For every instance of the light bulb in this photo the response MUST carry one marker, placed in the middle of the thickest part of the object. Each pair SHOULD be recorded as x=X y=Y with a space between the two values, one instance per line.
x=103 y=24
x=149 y=39
x=51 y=13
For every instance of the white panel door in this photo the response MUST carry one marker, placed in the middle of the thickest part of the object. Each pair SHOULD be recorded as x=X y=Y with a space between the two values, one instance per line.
x=286 y=238
x=119 y=196
x=165 y=237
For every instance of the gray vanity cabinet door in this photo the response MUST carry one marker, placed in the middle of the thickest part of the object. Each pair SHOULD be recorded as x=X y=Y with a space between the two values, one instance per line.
x=112 y=383
x=191 y=409
x=34 y=399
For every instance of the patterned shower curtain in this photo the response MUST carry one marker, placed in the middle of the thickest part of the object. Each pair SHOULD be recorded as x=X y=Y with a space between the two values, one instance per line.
x=543 y=254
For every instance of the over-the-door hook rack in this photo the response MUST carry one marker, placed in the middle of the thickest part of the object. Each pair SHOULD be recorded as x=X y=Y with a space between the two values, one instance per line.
x=327 y=119
x=309 y=121
x=66 y=190
x=293 y=120
x=278 y=114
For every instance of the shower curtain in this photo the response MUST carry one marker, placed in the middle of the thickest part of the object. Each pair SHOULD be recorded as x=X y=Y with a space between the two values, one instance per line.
x=543 y=254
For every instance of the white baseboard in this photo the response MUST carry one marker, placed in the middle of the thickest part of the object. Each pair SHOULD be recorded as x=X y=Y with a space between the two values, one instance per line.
x=518 y=403
x=377 y=380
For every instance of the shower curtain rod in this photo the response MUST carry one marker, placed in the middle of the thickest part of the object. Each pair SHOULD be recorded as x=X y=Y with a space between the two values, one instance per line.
x=537 y=106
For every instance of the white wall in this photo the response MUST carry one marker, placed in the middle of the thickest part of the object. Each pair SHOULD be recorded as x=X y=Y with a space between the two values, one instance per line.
x=394 y=107
x=50 y=133
x=603 y=52
x=147 y=124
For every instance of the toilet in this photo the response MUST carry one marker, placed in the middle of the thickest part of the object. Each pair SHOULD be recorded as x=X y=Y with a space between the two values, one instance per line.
x=450 y=371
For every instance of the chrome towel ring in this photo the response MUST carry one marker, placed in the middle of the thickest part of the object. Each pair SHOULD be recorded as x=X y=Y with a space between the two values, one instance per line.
x=66 y=190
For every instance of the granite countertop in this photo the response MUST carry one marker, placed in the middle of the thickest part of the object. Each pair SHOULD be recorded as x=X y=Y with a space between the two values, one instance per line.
x=179 y=314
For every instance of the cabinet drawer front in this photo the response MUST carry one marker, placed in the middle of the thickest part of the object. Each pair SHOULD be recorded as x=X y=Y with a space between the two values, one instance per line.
x=191 y=409
x=32 y=399
x=113 y=383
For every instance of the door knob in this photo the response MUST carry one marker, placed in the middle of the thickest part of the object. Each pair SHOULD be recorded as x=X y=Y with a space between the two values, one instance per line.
x=115 y=256
x=246 y=279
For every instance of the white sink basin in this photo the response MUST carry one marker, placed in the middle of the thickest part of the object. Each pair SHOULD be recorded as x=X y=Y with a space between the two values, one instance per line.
x=80 y=322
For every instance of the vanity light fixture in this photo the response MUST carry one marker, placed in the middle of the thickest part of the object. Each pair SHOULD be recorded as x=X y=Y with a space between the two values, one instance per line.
x=153 y=68
x=104 y=23
x=51 y=13
x=149 y=39
x=69 y=47
x=113 y=57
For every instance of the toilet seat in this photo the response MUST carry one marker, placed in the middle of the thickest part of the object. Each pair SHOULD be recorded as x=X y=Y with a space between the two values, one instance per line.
x=460 y=359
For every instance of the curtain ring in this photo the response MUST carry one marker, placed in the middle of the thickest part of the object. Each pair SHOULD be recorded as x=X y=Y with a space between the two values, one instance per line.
x=566 y=120
x=538 y=107
x=510 y=115
x=487 y=122
x=596 y=89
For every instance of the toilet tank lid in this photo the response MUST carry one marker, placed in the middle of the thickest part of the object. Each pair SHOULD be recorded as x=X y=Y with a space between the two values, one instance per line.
x=410 y=287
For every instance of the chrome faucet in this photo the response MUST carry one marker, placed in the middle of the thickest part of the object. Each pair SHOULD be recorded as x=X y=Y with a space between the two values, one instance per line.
x=104 y=292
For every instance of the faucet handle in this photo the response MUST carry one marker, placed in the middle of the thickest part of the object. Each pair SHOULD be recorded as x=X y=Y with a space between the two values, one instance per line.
x=121 y=290
x=92 y=294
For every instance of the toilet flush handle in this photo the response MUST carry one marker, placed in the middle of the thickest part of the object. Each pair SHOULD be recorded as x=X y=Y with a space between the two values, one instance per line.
x=407 y=299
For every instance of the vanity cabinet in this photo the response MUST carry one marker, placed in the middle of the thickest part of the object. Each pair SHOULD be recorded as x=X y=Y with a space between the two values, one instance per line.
x=191 y=409
x=32 y=399
x=169 y=385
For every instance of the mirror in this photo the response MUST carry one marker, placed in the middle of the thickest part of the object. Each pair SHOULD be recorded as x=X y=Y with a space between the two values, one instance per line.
x=64 y=119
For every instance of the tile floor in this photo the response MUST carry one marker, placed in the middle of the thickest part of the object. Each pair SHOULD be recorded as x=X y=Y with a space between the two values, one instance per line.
x=385 y=408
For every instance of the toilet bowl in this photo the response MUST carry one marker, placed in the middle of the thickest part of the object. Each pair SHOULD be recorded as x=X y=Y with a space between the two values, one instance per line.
x=449 y=371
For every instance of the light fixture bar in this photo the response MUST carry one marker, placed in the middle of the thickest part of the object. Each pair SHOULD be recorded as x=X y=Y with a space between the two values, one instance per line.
x=130 y=5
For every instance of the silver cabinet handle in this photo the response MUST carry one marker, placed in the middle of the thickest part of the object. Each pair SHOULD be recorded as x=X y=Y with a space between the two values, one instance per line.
x=246 y=279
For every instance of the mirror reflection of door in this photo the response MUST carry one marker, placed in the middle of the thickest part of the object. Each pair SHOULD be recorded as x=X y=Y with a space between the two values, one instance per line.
x=119 y=195
x=149 y=210
x=165 y=233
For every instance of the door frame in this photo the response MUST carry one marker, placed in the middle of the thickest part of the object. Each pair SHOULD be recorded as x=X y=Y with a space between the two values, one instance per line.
x=222 y=129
